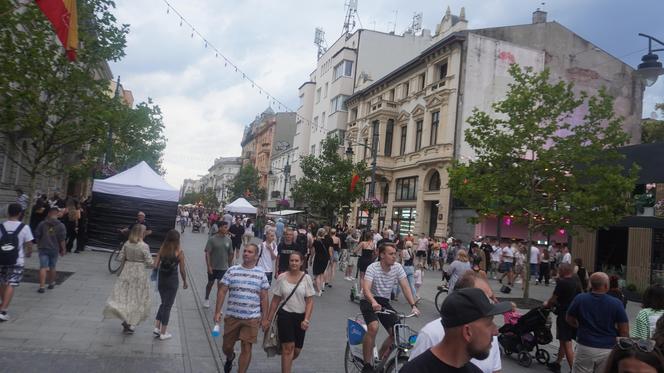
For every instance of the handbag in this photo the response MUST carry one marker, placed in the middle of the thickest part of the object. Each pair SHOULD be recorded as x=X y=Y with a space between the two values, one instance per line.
x=271 y=343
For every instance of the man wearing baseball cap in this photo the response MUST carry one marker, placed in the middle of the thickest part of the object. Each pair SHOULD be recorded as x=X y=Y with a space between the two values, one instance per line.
x=467 y=316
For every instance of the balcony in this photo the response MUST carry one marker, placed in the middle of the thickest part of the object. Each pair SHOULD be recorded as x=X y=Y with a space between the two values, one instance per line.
x=382 y=106
x=275 y=194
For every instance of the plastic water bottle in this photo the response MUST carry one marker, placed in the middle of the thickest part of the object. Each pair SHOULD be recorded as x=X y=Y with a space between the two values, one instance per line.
x=215 y=330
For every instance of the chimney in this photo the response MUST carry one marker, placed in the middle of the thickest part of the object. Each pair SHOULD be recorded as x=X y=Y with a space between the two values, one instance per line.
x=539 y=16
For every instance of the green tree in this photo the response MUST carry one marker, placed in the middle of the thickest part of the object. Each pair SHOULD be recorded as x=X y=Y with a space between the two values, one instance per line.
x=207 y=197
x=246 y=184
x=326 y=178
x=652 y=130
x=532 y=162
x=53 y=108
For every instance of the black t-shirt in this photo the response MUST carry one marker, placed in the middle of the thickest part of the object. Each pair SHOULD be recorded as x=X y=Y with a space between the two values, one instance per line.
x=565 y=291
x=284 y=250
x=427 y=362
x=145 y=222
x=237 y=231
x=383 y=241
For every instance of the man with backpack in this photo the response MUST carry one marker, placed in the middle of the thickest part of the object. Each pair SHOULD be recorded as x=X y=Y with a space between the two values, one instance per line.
x=303 y=242
x=51 y=235
x=15 y=244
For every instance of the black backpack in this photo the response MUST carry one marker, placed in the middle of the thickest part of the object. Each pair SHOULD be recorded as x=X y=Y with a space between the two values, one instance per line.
x=9 y=245
x=301 y=242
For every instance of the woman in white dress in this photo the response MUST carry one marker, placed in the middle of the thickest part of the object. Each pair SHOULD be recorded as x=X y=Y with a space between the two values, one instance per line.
x=130 y=300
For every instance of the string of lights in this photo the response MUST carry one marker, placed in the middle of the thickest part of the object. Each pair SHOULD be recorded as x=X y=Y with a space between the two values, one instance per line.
x=228 y=63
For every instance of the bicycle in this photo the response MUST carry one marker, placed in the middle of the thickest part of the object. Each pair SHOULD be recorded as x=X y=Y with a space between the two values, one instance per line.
x=114 y=264
x=440 y=296
x=397 y=355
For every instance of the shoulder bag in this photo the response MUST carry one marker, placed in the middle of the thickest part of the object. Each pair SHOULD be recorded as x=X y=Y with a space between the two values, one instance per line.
x=271 y=343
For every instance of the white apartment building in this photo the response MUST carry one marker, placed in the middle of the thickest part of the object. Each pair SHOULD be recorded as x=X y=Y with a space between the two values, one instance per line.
x=221 y=174
x=281 y=176
x=353 y=61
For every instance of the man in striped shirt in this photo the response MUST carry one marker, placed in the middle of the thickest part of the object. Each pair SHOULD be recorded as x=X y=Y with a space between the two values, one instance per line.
x=247 y=288
x=379 y=280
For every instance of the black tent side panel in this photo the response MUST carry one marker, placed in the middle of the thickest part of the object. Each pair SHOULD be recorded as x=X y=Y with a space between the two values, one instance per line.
x=111 y=212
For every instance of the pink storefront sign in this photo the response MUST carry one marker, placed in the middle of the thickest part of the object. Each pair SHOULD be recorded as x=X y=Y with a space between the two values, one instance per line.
x=510 y=229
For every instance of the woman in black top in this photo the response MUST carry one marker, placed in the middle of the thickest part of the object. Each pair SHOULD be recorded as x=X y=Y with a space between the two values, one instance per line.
x=367 y=254
x=169 y=258
x=321 y=259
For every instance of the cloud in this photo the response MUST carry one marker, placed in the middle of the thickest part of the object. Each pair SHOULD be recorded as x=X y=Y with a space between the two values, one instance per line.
x=207 y=105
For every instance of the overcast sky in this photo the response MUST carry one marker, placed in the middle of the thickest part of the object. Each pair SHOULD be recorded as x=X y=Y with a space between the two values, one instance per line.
x=206 y=105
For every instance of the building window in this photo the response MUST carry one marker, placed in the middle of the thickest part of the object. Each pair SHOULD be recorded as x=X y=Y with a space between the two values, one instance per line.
x=404 y=218
x=343 y=68
x=389 y=134
x=313 y=149
x=353 y=114
x=386 y=193
x=390 y=95
x=442 y=70
x=423 y=81
x=325 y=91
x=406 y=189
x=406 y=85
x=315 y=123
x=418 y=134
x=318 y=95
x=322 y=121
x=434 y=181
x=402 y=144
x=366 y=146
x=435 y=119
x=375 y=128
x=338 y=103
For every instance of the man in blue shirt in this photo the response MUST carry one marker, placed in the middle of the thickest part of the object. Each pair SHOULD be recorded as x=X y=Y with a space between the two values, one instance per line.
x=600 y=319
x=279 y=230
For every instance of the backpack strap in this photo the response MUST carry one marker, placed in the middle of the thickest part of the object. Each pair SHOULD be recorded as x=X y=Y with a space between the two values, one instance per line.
x=3 y=230
x=18 y=229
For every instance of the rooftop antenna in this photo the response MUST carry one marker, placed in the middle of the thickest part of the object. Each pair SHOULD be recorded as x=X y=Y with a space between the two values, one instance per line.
x=394 y=24
x=319 y=41
x=349 y=21
x=416 y=24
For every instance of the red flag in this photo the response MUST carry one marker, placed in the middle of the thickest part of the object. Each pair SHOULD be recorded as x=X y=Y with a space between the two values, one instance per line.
x=353 y=182
x=63 y=16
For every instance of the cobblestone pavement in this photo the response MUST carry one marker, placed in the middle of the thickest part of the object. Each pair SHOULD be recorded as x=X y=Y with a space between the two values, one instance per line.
x=63 y=330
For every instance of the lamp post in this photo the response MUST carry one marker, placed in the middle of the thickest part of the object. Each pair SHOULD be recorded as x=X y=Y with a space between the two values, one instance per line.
x=650 y=69
x=374 y=154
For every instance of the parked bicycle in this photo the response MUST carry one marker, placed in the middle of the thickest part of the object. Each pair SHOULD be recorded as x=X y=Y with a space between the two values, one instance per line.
x=114 y=263
x=397 y=355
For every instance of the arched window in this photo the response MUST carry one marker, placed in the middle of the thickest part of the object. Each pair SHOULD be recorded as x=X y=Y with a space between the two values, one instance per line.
x=434 y=181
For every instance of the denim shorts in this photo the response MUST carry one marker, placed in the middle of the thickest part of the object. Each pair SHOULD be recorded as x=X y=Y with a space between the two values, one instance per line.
x=48 y=258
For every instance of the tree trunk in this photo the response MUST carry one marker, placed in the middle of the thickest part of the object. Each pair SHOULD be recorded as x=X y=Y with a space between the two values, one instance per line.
x=526 y=261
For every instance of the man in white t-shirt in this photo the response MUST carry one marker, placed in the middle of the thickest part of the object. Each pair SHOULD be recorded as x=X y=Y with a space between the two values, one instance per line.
x=534 y=261
x=495 y=258
x=507 y=261
x=567 y=257
x=12 y=274
x=433 y=332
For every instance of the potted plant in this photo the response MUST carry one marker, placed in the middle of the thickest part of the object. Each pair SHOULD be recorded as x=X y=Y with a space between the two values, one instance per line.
x=283 y=203
x=644 y=203
x=370 y=205
x=632 y=293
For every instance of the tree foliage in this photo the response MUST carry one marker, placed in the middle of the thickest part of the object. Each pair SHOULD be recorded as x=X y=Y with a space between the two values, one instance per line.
x=535 y=161
x=207 y=197
x=246 y=185
x=652 y=130
x=53 y=108
x=324 y=186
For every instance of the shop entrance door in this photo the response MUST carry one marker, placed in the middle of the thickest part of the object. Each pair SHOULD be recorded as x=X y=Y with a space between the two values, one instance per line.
x=433 y=218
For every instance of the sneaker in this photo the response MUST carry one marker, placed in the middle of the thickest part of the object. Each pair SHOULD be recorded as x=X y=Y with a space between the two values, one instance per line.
x=51 y=286
x=41 y=291
x=165 y=336
x=206 y=303
x=328 y=285
x=4 y=316
x=156 y=332
x=228 y=365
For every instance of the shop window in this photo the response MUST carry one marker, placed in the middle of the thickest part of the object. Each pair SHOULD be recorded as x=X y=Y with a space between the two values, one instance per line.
x=403 y=218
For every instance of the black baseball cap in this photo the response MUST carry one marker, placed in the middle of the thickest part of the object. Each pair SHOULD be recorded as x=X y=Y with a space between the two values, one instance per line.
x=464 y=306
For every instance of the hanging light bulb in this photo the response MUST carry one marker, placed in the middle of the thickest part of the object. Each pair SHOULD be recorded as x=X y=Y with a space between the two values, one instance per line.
x=168 y=10
x=180 y=22
x=206 y=44
x=192 y=33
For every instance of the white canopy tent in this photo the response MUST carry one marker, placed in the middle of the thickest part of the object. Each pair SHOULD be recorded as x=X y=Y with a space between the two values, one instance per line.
x=139 y=181
x=241 y=206
x=284 y=212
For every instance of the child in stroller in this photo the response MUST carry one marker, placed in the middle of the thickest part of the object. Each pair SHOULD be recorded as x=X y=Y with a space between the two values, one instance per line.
x=196 y=226
x=530 y=331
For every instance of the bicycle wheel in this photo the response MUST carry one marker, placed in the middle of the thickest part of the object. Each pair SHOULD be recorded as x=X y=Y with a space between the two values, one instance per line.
x=439 y=299
x=352 y=364
x=113 y=263
x=390 y=368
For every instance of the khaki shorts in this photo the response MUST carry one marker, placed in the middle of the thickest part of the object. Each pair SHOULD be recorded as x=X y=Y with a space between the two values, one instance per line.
x=245 y=330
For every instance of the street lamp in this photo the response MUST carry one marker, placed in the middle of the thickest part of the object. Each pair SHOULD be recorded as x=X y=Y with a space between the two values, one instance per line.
x=650 y=69
x=374 y=154
x=286 y=170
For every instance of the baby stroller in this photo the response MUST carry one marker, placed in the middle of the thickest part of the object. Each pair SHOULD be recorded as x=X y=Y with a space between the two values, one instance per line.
x=532 y=330
x=196 y=226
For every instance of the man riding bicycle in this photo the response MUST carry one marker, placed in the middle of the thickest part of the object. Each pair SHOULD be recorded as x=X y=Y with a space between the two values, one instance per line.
x=379 y=280
x=140 y=219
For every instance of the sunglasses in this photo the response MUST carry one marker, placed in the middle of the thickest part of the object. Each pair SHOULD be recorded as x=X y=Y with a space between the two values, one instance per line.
x=644 y=345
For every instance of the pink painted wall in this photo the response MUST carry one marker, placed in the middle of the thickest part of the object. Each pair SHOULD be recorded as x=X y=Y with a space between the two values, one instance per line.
x=487 y=227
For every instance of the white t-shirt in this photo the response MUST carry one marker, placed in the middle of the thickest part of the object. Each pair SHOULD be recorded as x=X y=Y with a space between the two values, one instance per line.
x=265 y=262
x=296 y=303
x=567 y=258
x=507 y=254
x=534 y=254
x=495 y=253
x=24 y=236
x=432 y=333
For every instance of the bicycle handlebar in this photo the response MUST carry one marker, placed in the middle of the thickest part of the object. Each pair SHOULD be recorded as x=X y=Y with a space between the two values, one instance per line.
x=387 y=311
